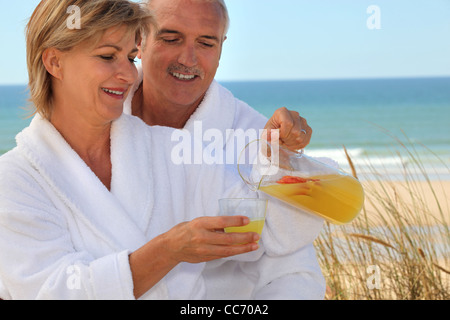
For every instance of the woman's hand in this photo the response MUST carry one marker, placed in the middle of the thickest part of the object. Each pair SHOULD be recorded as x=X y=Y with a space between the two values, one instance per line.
x=203 y=239
x=197 y=241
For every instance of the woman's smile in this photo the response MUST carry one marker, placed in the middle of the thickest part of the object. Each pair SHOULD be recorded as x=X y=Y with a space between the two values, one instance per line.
x=115 y=93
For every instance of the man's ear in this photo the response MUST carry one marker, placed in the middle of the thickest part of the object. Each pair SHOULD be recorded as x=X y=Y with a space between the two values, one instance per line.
x=52 y=62
x=221 y=47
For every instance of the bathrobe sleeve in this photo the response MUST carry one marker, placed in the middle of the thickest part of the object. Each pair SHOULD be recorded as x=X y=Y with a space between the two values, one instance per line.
x=296 y=276
x=38 y=259
x=287 y=228
x=286 y=266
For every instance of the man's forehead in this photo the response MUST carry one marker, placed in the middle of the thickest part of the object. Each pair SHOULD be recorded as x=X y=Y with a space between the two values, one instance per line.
x=200 y=14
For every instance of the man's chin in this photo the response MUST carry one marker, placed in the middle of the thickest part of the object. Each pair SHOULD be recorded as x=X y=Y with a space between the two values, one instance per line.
x=180 y=96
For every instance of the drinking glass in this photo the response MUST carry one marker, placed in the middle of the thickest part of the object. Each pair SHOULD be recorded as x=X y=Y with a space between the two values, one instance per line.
x=254 y=209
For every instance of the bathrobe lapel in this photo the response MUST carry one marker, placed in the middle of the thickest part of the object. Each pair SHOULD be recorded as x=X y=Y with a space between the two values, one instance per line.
x=87 y=199
x=217 y=112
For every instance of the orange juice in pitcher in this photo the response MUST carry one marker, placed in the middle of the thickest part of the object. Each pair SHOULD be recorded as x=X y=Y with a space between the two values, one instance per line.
x=305 y=183
x=337 y=198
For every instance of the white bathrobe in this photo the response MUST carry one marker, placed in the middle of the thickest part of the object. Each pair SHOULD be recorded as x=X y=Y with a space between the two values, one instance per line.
x=63 y=235
x=291 y=232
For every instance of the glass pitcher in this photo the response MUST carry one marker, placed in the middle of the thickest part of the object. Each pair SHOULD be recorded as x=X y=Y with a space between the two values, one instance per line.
x=301 y=181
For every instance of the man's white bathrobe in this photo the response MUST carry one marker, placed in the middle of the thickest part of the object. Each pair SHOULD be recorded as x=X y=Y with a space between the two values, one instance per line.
x=291 y=230
x=63 y=235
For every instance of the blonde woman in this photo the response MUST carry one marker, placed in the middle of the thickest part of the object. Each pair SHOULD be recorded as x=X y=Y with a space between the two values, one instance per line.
x=84 y=205
x=65 y=229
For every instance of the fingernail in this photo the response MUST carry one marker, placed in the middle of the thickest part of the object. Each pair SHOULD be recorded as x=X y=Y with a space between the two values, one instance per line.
x=245 y=221
x=255 y=247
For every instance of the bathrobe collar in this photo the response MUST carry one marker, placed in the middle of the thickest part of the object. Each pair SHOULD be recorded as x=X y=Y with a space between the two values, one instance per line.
x=80 y=189
x=217 y=110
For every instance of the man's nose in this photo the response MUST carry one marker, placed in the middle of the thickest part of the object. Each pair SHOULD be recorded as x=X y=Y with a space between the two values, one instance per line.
x=188 y=56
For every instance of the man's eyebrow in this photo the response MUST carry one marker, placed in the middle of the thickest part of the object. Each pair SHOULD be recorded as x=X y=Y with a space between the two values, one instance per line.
x=162 y=31
x=214 y=38
x=169 y=31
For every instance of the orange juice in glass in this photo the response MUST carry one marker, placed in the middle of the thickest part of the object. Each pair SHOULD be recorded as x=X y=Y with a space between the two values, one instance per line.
x=254 y=209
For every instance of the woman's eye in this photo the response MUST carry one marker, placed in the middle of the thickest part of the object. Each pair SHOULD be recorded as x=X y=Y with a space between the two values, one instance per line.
x=107 y=58
x=132 y=60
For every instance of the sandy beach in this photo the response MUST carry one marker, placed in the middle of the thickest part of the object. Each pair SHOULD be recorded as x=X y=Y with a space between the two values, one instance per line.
x=417 y=197
x=402 y=233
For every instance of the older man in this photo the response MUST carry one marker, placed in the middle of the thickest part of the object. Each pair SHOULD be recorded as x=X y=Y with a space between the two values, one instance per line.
x=180 y=60
x=177 y=89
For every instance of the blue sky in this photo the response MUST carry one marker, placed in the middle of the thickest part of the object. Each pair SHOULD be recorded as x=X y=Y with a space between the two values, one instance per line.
x=299 y=39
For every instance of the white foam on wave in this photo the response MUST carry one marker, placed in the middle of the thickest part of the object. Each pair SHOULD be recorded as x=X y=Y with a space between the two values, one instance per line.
x=391 y=165
x=358 y=156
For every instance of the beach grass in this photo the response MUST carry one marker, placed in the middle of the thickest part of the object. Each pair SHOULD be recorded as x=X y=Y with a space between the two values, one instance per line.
x=398 y=248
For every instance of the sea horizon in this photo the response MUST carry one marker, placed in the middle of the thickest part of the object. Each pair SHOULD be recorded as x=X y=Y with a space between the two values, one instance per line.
x=300 y=79
x=372 y=117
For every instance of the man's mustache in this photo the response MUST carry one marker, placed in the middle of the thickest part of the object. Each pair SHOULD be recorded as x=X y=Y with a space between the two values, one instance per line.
x=185 y=70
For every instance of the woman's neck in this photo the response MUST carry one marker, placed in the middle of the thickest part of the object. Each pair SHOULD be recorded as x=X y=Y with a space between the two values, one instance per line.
x=90 y=141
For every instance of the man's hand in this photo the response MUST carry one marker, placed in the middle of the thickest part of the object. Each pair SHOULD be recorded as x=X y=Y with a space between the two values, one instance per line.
x=295 y=133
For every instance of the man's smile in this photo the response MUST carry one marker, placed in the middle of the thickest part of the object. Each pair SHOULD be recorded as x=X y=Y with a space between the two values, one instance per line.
x=184 y=77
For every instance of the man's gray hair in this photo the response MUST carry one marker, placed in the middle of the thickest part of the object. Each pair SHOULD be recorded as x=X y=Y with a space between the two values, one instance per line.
x=225 y=13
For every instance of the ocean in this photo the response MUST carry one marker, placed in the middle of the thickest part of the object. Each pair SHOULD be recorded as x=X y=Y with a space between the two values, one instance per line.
x=381 y=122
x=390 y=127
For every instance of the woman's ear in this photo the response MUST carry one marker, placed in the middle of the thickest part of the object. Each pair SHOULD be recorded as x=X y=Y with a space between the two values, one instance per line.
x=140 y=47
x=52 y=62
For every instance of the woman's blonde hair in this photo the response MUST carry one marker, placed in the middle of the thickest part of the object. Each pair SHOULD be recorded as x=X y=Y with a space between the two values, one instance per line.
x=50 y=27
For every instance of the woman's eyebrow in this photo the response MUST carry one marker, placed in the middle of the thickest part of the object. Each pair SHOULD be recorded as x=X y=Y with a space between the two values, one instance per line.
x=135 y=49
x=111 y=46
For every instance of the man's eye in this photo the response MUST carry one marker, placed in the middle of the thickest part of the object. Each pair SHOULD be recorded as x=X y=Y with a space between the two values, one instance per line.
x=170 y=40
x=132 y=60
x=208 y=45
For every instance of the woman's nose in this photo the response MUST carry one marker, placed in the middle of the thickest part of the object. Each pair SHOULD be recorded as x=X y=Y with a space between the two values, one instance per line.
x=127 y=72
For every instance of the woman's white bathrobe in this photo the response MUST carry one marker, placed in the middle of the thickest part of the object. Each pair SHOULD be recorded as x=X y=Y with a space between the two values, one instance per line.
x=63 y=235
